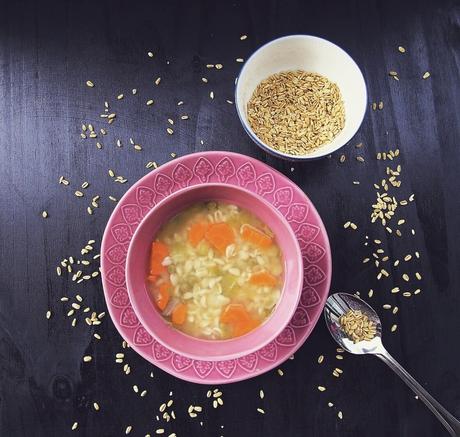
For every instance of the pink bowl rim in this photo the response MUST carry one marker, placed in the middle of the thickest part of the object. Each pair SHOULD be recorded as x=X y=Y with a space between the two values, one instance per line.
x=287 y=312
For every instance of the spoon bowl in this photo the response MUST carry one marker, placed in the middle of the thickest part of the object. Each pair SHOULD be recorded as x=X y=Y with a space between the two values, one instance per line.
x=339 y=304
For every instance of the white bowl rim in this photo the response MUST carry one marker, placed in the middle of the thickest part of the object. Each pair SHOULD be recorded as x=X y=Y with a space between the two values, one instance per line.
x=283 y=155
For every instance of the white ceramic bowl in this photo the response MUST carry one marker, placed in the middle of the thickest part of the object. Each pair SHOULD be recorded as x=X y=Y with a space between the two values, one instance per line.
x=309 y=53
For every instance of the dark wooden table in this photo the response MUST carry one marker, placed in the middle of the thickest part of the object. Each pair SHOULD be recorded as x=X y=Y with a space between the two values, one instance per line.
x=48 y=50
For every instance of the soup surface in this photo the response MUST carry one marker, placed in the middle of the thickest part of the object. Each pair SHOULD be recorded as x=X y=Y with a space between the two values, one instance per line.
x=215 y=271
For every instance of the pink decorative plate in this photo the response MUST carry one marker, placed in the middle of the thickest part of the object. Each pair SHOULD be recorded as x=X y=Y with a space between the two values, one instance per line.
x=235 y=169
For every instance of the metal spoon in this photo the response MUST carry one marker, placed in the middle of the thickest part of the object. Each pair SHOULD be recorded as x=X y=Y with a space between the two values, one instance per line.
x=339 y=304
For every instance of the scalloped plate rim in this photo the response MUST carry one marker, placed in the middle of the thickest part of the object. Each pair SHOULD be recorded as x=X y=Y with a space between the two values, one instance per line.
x=142 y=350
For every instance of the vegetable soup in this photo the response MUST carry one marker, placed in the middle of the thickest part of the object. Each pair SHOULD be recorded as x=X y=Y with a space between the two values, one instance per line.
x=215 y=271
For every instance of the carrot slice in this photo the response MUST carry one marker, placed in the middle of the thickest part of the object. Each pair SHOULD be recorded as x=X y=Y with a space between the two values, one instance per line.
x=233 y=313
x=220 y=235
x=152 y=278
x=156 y=268
x=179 y=314
x=196 y=233
x=160 y=249
x=255 y=236
x=243 y=328
x=161 y=295
x=158 y=253
x=236 y=315
x=263 y=278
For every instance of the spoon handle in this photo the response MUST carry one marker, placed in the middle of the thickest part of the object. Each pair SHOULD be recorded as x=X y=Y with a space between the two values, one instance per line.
x=450 y=422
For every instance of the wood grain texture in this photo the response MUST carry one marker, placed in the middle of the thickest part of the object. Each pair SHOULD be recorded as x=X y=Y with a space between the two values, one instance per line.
x=47 y=52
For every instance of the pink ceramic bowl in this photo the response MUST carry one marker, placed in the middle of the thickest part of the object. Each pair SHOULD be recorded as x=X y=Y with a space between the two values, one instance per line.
x=137 y=269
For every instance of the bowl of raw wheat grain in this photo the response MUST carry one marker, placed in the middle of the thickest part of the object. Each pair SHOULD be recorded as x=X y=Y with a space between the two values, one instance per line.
x=300 y=97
